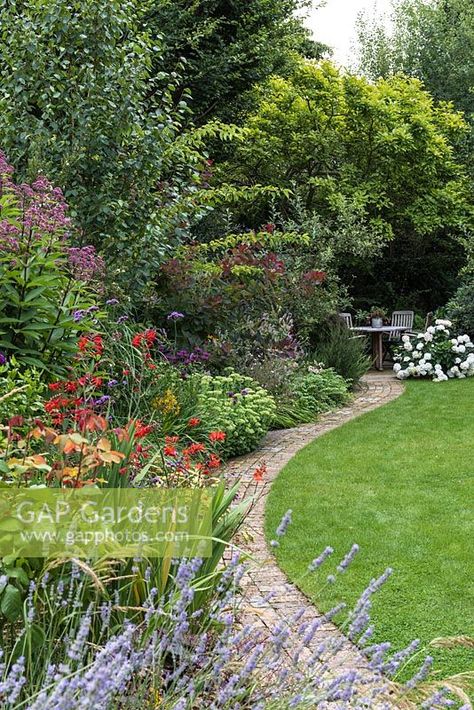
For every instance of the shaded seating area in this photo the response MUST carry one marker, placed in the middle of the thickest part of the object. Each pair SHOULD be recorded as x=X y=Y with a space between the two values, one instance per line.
x=386 y=336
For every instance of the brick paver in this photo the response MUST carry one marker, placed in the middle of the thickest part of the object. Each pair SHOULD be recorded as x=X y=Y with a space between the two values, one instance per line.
x=264 y=577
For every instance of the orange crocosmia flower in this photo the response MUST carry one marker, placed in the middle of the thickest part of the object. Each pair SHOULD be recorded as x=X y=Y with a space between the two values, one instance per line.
x=217 y=436
x=170 y=451
x=194 y=421
x=171 y=439
x=259 y=472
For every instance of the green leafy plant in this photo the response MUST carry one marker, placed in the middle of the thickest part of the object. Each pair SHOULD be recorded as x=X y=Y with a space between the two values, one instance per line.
x=21 y=391
x=460 y=308
x=44 y=300
x=312 y=389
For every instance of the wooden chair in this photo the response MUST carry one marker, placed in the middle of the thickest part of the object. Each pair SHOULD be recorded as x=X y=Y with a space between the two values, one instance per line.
x=346 y=318
x=405 y=320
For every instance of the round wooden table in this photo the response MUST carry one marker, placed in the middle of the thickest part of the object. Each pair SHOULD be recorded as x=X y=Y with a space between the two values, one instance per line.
x=377 y=340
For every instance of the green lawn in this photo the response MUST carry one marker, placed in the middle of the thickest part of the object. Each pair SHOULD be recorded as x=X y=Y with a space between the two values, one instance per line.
x=399 y=481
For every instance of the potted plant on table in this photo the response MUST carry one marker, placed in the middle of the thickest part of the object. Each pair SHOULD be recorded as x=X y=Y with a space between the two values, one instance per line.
x=377 y=317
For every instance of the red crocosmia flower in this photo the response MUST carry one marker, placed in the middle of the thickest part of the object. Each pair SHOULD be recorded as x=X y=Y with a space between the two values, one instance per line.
x=137 y=340
x=150 y=336
x=170 y=451
x=142 y=430
x=82 y=380
x=270 y=228
x=91 y=344
x=125 y=372
x=83 y=343
x=194 y=449
x=259 y=472
x=194 y=421
x=70 y=386
x=55 y=386
x=16 y=421
x=214 y=461
x=171 y=439
x=217 y=436
x=97 y=381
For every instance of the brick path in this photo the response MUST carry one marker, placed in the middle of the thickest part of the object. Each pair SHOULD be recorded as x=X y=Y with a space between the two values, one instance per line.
x=264 y=576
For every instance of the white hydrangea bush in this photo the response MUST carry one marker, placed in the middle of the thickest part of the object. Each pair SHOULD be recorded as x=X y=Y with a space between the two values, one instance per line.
x=435 y=354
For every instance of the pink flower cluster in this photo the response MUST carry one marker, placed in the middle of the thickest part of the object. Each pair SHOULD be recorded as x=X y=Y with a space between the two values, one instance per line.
x=85 y=263
x=43 y=210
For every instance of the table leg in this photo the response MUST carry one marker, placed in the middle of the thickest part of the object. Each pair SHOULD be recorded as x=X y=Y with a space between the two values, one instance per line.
x=377 y=349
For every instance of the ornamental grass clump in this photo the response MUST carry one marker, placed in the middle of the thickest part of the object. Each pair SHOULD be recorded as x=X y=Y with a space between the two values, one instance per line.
x=435 y=354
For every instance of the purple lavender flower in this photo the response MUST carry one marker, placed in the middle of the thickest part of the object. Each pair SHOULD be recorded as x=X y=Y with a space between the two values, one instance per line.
x=3 y=359
x=284 y=523
x=112 y=302
x=175 y=315
x=318 y=561
x=346 y=561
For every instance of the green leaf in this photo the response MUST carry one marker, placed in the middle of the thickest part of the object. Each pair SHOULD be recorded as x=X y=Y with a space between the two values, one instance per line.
x=11 y=604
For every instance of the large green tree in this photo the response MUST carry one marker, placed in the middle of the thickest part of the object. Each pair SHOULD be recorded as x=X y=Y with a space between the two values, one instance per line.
x=81 y=101
x=221 y=48
x=432 y=40
x=371 y=166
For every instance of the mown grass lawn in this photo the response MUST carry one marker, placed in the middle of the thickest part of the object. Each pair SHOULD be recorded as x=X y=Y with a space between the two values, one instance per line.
x=399 y=481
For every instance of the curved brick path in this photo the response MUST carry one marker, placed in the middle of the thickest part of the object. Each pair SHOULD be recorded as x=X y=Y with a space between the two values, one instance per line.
x=264 y=577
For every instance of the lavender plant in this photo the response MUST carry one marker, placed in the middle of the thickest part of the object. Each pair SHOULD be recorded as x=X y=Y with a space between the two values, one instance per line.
x=177 y=657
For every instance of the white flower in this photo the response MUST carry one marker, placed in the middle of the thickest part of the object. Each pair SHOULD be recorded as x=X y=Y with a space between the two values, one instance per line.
x=431 y=330
x=397 y=367
x=420 y=346
x=461 y=348
x=406 y=358
x=428 y=337
x=408 y=346
x=405 y=338
x=442 y=322
x=416 y=354
x=427 y=356
x=466 y=338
